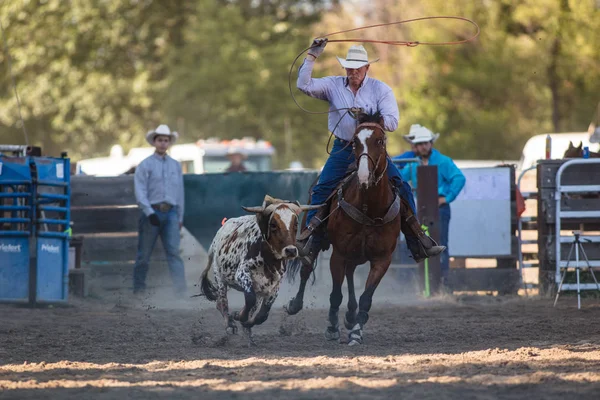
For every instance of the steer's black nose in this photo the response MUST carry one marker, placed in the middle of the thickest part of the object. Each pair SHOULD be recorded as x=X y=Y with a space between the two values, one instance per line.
x=291 y=251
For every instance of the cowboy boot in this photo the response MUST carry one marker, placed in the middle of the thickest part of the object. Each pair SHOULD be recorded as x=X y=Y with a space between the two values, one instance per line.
x=309 y=240
x=424 y=246
x=309 y=249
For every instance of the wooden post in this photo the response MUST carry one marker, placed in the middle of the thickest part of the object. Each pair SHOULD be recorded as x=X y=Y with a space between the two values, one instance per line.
x=428 y=213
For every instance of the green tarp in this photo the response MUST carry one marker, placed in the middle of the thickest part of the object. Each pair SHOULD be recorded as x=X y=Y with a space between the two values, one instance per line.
x=211 y=197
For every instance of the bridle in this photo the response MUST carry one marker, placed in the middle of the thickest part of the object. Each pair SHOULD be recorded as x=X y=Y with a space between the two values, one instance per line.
x=377 y=179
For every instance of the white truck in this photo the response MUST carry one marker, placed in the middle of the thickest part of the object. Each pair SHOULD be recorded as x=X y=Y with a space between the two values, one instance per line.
x=535 y=148
x=204 y=156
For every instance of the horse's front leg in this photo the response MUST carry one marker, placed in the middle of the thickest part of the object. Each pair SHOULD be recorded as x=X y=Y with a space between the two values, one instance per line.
x=350 y=319
x=295 y=305
x=337 y=268
x=377 y=271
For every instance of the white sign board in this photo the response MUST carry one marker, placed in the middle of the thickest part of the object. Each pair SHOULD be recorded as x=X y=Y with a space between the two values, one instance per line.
x=480 y=215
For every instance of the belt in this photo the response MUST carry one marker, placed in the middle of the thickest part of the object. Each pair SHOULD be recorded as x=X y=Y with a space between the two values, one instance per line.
x=342 y=140
x=162 y=207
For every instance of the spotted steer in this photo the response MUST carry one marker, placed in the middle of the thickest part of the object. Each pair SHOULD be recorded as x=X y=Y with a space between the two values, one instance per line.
x=250 y=254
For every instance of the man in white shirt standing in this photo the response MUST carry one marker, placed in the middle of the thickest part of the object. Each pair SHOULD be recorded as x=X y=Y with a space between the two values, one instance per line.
x=355 y=90
x=159 y=194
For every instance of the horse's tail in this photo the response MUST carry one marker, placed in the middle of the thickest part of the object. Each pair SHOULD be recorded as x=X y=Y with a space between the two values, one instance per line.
x=206 y=286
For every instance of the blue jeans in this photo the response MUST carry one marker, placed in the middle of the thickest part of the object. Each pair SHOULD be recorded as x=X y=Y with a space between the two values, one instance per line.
x=334 y=170
x=169 y=236
x=444 y=229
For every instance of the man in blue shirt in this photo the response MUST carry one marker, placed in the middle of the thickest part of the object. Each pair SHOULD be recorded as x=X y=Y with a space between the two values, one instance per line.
x=450 y=182
x=158 y=185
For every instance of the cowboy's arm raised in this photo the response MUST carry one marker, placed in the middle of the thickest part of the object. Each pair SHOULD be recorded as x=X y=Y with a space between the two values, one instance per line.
x=313 y=87
x=388 y=107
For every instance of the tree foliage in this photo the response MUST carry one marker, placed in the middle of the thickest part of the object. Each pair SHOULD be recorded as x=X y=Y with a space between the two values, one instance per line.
x=94 y=73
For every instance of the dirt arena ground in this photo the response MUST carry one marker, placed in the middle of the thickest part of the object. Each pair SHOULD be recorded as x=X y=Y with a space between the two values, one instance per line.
x=447 y=348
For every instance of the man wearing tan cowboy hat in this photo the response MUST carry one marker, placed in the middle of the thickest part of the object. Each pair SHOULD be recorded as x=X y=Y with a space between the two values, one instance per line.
x=355 y=89
x=450 y=182
x=159 y=192
x=236 y=157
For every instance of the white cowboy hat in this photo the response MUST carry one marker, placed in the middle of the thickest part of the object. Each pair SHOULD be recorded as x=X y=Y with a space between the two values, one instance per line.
x=234 y=150
x=420 y=134
x=357 y=57
x=161 y=130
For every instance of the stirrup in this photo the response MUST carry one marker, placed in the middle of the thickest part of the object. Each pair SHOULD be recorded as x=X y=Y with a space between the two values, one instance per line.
x=423 y=253
x=304 y=245
x=312 y=226
x=306 y=233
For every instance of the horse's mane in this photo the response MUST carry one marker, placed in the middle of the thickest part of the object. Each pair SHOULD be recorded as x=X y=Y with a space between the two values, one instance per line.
x=370 y=117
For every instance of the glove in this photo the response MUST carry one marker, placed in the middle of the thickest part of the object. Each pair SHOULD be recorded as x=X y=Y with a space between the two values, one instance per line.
x=317 y=47
x=154 y=219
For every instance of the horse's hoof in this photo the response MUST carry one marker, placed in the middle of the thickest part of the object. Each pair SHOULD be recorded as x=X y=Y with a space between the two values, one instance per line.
x=355 y=336
x=293 y=307
x=332 y=333
x=236 y=315
x=349 y=325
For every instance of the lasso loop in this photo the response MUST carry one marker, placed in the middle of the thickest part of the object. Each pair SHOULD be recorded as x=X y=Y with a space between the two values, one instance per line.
x=388 y=42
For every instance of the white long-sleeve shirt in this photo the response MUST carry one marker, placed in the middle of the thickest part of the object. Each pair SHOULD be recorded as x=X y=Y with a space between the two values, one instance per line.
x=372 y=96
x=159 y=180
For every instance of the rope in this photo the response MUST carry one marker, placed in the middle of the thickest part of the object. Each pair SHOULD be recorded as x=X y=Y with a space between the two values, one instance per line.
x=14 y=85
x=403 y=42
x=388 y=42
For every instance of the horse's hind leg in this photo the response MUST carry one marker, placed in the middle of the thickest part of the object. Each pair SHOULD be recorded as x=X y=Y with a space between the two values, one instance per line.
x=336 y=266
x=377 y=271
x=350 y=319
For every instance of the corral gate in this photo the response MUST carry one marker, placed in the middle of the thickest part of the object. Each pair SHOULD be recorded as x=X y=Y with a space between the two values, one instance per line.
x=568 y=200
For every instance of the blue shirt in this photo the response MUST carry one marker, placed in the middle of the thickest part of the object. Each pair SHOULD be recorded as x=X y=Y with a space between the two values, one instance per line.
x=372 y=96
x=159 y=180
x=407 y=154
x=450 y=179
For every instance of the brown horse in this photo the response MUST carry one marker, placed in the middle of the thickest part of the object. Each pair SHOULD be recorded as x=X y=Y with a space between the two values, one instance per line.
x=577 y=152
x=364 y=225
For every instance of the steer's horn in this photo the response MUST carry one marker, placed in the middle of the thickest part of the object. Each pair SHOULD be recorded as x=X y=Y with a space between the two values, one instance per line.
x=254 y=209
x=311 y=207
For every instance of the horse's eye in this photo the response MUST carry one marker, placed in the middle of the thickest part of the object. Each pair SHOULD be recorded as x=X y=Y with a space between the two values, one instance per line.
x=380 y=142
x=273 y=226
